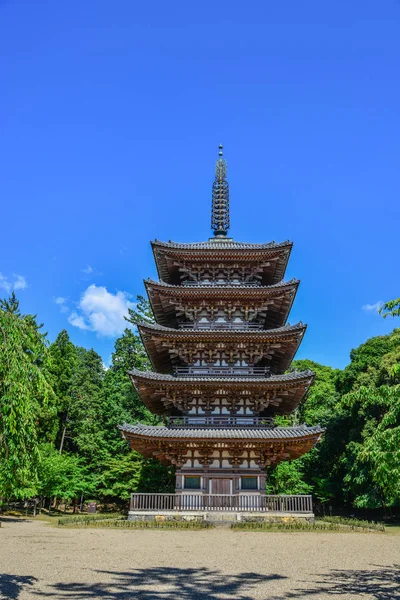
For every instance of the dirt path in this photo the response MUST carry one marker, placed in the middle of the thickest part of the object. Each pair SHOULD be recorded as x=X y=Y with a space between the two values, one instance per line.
x=39 y=561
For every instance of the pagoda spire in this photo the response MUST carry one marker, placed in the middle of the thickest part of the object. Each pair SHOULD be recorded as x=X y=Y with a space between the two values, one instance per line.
x=220 y=198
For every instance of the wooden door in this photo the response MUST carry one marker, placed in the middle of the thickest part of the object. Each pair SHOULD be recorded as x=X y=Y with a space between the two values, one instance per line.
x=220 y=486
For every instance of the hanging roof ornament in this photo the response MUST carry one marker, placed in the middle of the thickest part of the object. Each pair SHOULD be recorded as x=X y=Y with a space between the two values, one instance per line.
x=220 y=198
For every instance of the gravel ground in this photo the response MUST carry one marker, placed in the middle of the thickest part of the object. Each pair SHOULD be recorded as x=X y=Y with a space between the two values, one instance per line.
x=40 y=561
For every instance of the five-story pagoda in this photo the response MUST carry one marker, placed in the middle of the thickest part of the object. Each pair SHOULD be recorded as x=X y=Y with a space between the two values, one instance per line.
x=220 y=348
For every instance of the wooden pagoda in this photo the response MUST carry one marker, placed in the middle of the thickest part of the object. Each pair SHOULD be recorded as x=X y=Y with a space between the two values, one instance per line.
x=221 y=348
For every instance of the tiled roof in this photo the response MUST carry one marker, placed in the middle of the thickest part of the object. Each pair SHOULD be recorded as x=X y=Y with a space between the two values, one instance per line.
x=224 y=244
x=293 y=376
x=241 y=332
x=221 y=288
x=260 y=433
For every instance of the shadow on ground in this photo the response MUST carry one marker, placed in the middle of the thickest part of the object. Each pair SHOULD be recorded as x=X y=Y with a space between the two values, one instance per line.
x=380 y=582
x=165 y=583
x=7 y=519
x=12 y=585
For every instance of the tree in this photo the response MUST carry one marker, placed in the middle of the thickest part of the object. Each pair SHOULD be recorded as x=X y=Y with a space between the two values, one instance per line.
x=11 y=305
x=390 y=309
x=319 y=404
x=64 y=360
x=365 y=368
x=26 y=400
x=287 y=478
x=317 y=471
x=62 y=476
x=133 y=473
x=85 y=413
x=141 y=313
x=374 y=452
x=128 y=354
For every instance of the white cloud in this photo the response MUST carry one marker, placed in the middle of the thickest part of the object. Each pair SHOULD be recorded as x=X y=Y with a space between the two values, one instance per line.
x=62 y=303
x=102 y=311
x=19 y=283
x=78 y=321
x=87 y=270
x=373 y=307
x=4 y=283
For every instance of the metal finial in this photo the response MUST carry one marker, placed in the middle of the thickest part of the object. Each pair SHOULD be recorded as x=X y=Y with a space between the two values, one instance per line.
x=220 y=198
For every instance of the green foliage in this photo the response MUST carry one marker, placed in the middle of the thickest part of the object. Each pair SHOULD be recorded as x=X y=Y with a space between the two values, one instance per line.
x=26 y=400
x=85 y=413
x=62 y=475
x=129 y=353
x=390 y=309
x=369 y=363
x=10 y=305
x=288 y=478
x=141 y=313
x=357 y=462
x=322 y=398
x=375 y=459
x=64 y=359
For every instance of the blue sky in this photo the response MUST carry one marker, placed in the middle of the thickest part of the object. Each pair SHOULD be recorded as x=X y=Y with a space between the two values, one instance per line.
x=111 y=114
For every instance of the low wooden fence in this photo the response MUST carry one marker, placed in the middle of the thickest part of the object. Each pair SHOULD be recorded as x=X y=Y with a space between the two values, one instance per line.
x=221 y=502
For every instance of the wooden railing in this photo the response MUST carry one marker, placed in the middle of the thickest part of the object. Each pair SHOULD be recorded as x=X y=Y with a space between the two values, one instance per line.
x=221 y=502
x=214 y=371
x=243 y=325
x=221 y=421
x=202 y=283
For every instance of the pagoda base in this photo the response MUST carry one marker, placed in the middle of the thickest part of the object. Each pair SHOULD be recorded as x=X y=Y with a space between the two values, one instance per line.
x=221 y=517
x=219 y=508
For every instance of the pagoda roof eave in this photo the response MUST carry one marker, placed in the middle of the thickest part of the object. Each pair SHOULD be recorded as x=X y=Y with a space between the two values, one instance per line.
x=288 y=335
x=215 y=433
x=218 y=249
x=231 y=333
x=164 y=311
x=220 y=289
x=271 y=445
x=153 y=387
x=221 y=244
x=206 y=379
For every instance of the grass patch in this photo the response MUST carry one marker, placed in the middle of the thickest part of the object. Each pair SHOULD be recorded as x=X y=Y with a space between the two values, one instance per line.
x=354 y=523
x=319 y=525
x=123 y=523
x=84 y=519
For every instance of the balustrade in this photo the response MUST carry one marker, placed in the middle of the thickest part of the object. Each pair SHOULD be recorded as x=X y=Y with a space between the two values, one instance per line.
x=221 y=502
x=200 y=283
x=240 y=325
x=221 y=421
x=213 y=371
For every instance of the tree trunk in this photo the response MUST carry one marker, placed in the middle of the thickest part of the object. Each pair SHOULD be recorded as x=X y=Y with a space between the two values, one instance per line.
x=63 y=437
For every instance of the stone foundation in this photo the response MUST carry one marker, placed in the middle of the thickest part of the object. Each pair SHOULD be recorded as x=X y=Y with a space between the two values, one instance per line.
x=221 y=516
